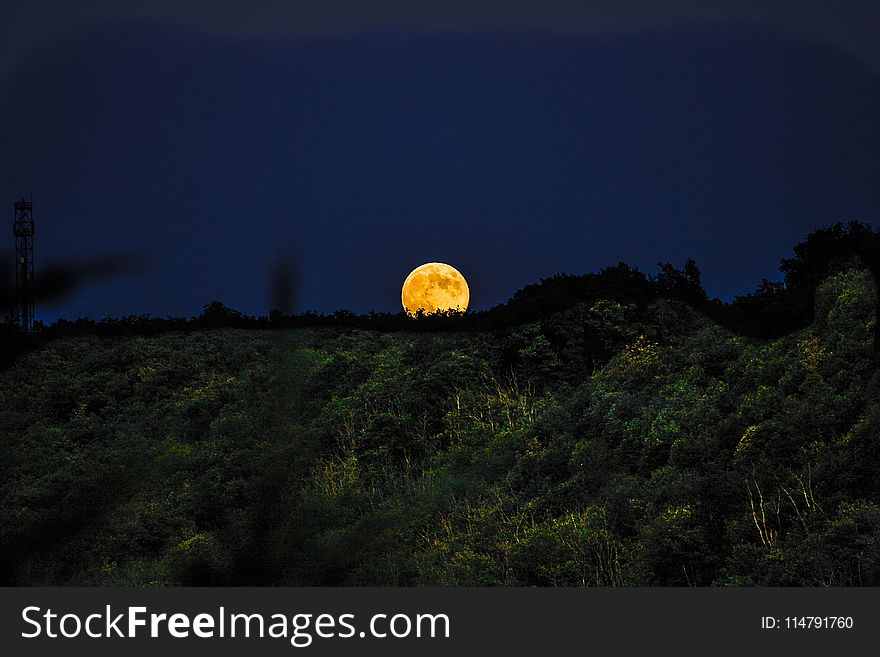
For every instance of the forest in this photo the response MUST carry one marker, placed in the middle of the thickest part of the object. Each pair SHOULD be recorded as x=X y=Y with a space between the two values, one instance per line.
x=611 y=429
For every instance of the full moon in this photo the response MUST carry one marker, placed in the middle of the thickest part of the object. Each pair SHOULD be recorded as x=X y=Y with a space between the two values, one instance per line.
x=434 y=287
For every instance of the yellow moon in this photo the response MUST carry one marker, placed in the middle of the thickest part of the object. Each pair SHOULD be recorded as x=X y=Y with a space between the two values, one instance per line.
x=433 y=287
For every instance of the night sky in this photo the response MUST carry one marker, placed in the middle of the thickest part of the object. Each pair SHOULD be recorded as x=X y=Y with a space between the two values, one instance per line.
x=513 y=150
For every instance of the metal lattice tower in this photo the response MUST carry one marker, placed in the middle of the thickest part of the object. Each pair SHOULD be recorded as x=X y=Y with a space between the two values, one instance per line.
x=23 y=229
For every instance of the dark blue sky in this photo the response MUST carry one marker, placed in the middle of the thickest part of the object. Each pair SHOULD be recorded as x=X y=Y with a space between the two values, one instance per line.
x=511 y=155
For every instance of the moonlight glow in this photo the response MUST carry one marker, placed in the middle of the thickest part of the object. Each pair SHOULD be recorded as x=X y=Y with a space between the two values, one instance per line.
x=434 y=287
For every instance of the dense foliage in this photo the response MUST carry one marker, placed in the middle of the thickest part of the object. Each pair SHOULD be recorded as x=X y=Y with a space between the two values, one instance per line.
x=617 y=441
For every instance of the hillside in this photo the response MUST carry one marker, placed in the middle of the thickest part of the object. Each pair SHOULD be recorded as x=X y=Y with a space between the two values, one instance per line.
x=612 y=443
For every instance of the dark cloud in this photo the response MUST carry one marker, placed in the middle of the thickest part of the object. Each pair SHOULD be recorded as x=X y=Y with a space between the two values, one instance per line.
x=848 y=24
x=284 y=284
x=58 y=281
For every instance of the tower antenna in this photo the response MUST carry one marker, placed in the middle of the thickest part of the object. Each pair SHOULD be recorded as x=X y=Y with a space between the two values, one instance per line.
x=23 y=229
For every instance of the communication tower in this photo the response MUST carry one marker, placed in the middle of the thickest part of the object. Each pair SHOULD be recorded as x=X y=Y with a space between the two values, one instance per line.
x=23 y=229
